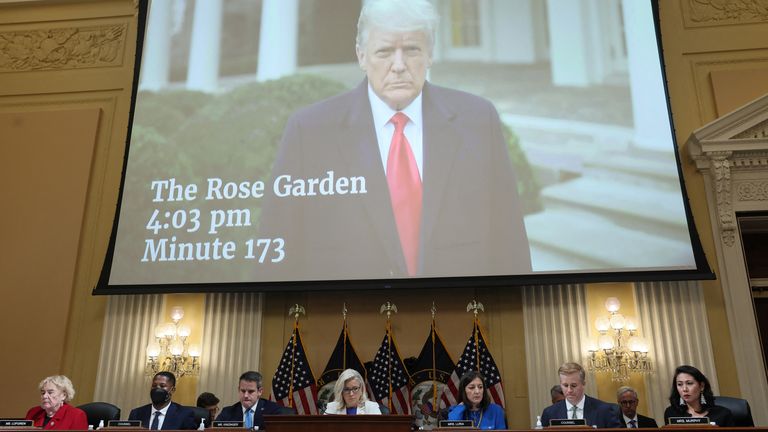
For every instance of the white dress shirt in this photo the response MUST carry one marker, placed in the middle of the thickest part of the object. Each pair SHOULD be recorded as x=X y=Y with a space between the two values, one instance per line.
x=160 y=419
x=579 y=408
x=414 y=130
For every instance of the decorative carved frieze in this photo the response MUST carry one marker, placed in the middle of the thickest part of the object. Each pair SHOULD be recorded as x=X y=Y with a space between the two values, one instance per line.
x=62 y=48
x=752 y=191
x=720 y=12
x=759 y=130
x=720 y=170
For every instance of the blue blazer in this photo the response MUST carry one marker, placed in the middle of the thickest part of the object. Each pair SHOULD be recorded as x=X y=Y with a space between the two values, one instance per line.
x=493 y=416
x=235 y=412
x=472 y=221
x=177 y=417
x=596 y=412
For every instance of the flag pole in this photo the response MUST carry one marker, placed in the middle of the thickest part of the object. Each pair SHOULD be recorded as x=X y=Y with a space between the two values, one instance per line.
x=475 y=306
x=344 y=349
x=295 y=310
x=389 y=307
x=434 y=361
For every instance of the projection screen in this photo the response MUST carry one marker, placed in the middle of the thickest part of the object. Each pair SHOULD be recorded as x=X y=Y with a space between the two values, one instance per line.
x=543 y=141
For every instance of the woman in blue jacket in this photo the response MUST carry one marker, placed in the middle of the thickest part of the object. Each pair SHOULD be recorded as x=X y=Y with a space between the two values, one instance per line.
x=475 y=404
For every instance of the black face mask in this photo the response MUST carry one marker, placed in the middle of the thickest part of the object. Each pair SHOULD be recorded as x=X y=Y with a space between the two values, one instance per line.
x=159 y=395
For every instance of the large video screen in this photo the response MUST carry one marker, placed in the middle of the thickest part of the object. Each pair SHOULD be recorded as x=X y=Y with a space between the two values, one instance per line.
x=292 y=143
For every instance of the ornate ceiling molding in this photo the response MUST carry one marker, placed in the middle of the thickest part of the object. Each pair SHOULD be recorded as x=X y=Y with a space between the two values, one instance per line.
x=724 y=12
x=62 y=48
x=733 y=152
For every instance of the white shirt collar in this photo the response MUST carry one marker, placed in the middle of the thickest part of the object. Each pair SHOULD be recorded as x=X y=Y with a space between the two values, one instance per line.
x=382 y=114
x=253 y=408
x=579 y=406
x=627 y=419
x=163 y=411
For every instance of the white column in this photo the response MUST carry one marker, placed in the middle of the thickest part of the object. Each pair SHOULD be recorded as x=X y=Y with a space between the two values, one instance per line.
x=231 y=341
x=649 y=103
x=279 y=39
x=514 y=31
x=555 y=329
x=155 y=68
x=203 y=72
x=569 y=42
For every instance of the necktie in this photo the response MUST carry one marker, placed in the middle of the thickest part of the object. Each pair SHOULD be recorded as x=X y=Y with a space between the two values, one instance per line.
x=632 y=424
x=249 y=419
x=156 y=421
x=573 y=412
x=405 y=192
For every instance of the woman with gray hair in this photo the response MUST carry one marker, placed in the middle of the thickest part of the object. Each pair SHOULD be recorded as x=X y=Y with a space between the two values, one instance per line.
x=54 y=412
x=350 y=397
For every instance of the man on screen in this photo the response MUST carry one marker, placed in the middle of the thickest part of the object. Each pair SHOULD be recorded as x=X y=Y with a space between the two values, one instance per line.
x=438 y=195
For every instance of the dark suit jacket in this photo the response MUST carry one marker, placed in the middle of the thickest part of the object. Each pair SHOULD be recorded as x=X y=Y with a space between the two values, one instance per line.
x=596 y=412
x=235 y=412
x=471 y=214
x=177 y=417
x=642 y=421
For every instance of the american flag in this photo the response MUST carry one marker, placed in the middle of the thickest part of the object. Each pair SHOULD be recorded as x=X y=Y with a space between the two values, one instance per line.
x=475 y=357
x=294 y=384
x=388 y=378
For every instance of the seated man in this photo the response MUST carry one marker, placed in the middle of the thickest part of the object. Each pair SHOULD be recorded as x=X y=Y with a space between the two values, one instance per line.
x=557 y=394
x=210 y=402
x=628 y=400
x=162 y=414
x=577 y=405
x=251 y=408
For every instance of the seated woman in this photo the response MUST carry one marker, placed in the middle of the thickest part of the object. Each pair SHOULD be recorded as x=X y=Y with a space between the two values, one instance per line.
x=54 y=412
x=691 y=396
x=476 y=404
x=350 y=397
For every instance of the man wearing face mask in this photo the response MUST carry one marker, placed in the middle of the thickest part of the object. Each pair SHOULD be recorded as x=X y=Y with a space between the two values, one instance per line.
x=162 y=414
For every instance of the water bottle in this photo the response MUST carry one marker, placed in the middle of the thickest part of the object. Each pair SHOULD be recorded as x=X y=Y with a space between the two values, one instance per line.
x=538 y=423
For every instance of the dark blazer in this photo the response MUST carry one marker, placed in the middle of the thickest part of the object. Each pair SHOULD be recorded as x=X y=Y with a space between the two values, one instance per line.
x=66 y=418
x=642 y=421
x=263 y=407
x=720 y=415
x=177 y=417
x=472 y=221
x=596 y=412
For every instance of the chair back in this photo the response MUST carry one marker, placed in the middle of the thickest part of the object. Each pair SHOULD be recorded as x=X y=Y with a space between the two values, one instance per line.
x=742 y=414
x=100 y=411
x=200 y=414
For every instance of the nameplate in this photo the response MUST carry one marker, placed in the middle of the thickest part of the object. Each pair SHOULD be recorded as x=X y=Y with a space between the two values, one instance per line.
x=694 y=421
x=124 y=423
x=227 y=424
x=15 y=423
x=456 y=424
x=568 y=422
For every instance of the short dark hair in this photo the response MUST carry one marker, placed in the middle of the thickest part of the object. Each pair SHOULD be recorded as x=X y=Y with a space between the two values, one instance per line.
x=252 y=376
x=674 y=395
x=169 y=375
x=556 y=389
x=464 y=382
x=207 y=399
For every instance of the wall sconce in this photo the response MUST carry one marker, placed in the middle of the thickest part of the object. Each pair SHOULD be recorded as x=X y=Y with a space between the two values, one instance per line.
x=618 y=349
x=171 y=351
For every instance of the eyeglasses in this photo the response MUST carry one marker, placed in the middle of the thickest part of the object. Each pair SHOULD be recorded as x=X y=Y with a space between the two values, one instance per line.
x=628 y=402
x=351 y=390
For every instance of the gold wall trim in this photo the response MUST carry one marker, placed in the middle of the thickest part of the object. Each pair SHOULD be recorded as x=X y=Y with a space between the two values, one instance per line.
x=700 y=13
x=62 y=48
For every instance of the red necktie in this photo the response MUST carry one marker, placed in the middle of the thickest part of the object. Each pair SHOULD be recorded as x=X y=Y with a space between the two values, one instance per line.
x=405 y=192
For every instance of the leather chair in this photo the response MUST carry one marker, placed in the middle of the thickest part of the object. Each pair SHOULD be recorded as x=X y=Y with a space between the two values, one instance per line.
x=384 y=409
x=742 y=414
x=100 y=411
x=200 y=414
x=284 y=410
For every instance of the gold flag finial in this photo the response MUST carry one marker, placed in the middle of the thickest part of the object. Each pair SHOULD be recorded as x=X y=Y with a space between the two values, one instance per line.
x=433 y=309
x=475 y=306
x=296 y=310
x=344 y=310
x=388 y=307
